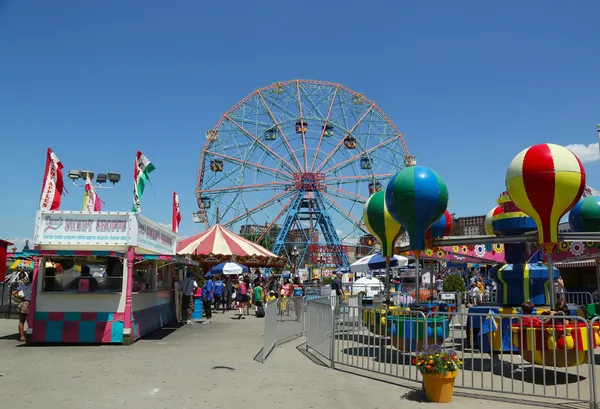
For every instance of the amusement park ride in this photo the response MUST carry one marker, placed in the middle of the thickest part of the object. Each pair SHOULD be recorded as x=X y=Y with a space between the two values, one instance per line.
x=296 y=161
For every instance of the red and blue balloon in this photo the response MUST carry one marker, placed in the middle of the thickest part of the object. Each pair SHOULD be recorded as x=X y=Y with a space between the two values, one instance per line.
x=441 y=228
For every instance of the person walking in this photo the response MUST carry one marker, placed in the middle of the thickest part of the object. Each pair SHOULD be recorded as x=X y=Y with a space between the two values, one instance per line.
x=208 y=294
x=258 y=296
x=24 y=292
x=298 y=294
x=219 y=292
x=188 y=287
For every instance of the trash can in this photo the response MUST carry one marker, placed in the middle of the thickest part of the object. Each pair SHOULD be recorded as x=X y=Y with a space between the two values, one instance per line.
x=197 y=314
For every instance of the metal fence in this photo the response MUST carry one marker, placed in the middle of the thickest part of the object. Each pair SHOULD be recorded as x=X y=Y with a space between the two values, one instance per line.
x=546 y=360
x=7 y=305
x=320 y=326
x=284 y=321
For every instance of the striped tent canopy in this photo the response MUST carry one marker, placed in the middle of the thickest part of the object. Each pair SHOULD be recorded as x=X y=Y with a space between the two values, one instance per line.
x=218 y=244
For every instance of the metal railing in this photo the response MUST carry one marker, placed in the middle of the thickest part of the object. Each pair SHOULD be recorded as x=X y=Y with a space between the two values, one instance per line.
x=577 y=298
x=320 y=326
x=284 y=321
x=543 y=359
x=7 y=305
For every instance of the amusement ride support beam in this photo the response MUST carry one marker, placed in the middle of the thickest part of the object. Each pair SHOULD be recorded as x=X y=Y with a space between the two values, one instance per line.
x=287 y=176
x=337 y=147
x=360 y=154
x=287 y=143
x=312 y=167
x=274 y=221
x=358 y=198
x=302 y=127
x=352 y=179
x=259 y=206
x=241 y=128
x=344 y=213
x=244 y=187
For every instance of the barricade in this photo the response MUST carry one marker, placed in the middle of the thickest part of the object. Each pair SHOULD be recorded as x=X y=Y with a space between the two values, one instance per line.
x=7 y=305
x=547 y=360
x=577 y=298
x=284 y=321
x=320 y=326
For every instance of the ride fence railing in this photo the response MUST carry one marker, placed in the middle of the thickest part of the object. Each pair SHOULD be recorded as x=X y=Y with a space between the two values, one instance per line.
x=284 y=321
x=546 y=360
x=490 y=296
x=8 y=306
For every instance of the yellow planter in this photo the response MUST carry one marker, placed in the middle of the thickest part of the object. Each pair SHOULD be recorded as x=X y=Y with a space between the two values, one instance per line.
x=439 y=387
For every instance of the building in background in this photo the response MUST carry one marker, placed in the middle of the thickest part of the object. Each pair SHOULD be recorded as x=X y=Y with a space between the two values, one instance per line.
x=468 y=226
x=253 y=229
x=299 y=236
x=365 y=245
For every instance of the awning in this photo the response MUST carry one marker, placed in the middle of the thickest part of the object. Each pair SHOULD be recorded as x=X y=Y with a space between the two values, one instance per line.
x=576 y=263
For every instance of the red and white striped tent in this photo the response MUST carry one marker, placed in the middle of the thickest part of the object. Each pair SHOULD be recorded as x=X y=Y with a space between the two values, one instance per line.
x=219 y=244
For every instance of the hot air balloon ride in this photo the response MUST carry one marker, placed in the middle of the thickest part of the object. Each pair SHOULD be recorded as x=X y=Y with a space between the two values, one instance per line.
x=417 y=197
x=386 y=230
x=545 y=181
x=489 y=228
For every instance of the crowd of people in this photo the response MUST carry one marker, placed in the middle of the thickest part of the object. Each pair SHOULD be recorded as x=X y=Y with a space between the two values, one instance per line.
x=241 y=293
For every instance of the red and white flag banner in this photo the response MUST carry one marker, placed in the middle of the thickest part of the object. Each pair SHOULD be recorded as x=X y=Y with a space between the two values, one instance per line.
x=52 y=187
x=176 y=213
x=91 y=201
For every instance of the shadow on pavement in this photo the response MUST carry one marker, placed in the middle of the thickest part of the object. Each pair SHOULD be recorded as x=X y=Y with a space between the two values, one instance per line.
x=161 y=333
x=514 y=371
x=364 y=339
x=383 y=355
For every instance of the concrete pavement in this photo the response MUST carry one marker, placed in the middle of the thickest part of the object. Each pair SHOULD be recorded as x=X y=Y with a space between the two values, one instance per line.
x=199 y=366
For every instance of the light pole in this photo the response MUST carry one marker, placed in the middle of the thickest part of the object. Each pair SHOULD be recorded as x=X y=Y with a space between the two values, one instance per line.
x=294 y=255
x=101 y=178
x=93 y=202
x=598 y=130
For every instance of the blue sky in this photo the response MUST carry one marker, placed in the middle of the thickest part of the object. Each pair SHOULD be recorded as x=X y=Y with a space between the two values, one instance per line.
x=469 y=84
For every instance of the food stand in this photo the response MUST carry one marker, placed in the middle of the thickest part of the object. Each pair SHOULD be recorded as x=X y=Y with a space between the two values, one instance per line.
x=101 y=277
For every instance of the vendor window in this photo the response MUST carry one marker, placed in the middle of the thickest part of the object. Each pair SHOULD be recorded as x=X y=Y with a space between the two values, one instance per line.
x=151 y=275
x=83 y=274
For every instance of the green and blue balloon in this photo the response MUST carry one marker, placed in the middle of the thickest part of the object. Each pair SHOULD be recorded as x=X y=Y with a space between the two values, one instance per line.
x=381 y=224
x=416 y=197
x=585 y=215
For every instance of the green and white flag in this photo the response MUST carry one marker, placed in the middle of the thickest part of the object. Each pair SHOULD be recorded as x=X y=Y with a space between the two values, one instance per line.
x=141 y=175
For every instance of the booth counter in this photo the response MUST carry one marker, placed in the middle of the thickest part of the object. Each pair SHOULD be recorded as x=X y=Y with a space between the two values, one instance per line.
x=101 y=277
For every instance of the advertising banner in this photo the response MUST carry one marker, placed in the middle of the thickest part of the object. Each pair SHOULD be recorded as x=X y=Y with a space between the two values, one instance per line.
x=152 y=237
x=82 y=228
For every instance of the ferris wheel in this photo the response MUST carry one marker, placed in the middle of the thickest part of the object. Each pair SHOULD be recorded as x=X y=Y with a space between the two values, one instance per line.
x=291 y=165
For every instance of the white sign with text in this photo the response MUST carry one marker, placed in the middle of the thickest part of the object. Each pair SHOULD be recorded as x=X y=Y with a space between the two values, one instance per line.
x=93 y=229
x=82 y=228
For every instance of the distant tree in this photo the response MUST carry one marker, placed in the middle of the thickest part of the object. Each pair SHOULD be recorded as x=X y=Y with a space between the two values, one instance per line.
x=454 y=283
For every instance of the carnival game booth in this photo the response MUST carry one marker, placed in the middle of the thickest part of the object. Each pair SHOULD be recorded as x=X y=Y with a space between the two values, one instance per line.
x=101 y=277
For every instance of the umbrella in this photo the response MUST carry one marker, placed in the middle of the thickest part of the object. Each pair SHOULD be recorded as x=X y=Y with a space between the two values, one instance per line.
x=342 y=270
x=377 y=261
x=228 y=268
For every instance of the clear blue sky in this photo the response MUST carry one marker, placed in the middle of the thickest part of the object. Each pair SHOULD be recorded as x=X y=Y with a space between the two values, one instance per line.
x=469 y=83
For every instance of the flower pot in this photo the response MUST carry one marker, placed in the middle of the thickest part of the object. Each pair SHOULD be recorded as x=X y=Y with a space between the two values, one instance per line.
x=439 y=387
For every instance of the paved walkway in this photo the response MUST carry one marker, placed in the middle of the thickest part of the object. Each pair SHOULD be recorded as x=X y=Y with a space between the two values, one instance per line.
x=199 y=366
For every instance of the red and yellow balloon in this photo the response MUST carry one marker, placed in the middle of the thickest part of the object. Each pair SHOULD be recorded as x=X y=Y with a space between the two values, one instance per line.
x=545 y=181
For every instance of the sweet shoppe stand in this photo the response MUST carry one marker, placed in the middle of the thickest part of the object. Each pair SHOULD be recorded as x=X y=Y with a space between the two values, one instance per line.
x=126 y=298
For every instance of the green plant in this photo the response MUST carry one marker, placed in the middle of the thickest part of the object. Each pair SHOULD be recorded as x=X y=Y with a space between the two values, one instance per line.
x=434 y=360
x=198 y=273
x=327 y=280
x=454 y=283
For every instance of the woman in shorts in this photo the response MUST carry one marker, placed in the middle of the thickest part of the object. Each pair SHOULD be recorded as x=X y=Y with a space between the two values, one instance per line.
x=23 y=307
